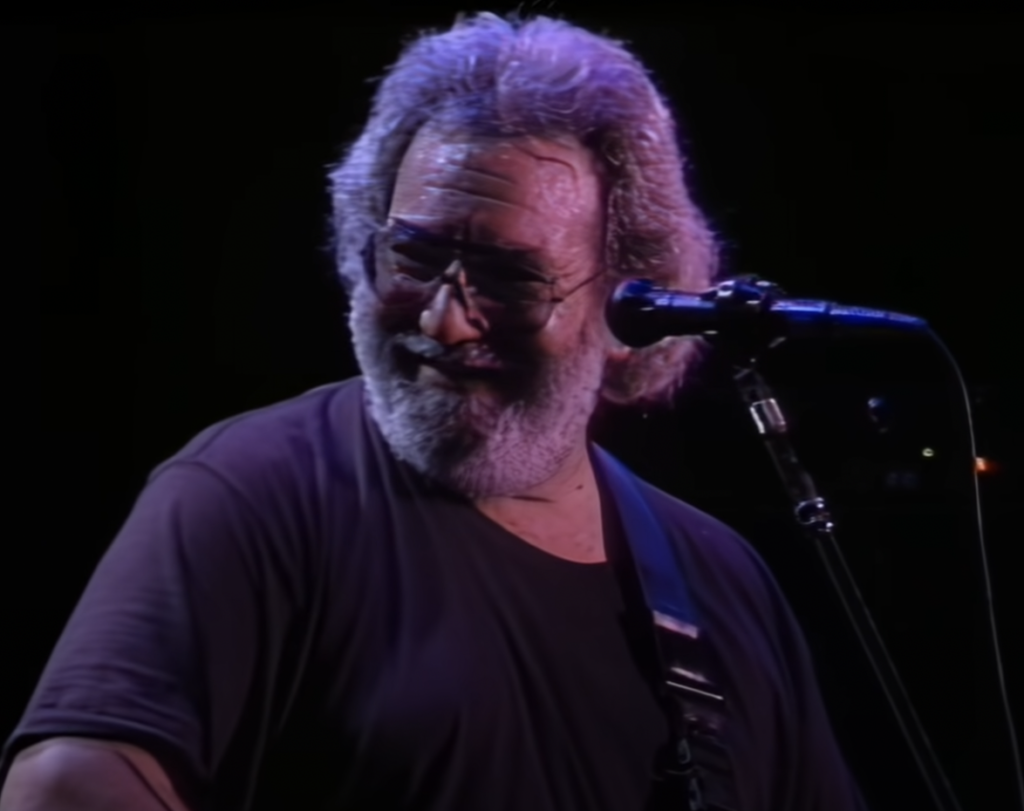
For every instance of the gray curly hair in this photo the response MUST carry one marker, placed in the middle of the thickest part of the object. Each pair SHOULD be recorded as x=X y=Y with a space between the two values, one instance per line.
x=545 y=78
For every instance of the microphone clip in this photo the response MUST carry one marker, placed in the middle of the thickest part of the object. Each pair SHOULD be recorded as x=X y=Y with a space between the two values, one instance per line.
x=747 y=294
x=744 y=306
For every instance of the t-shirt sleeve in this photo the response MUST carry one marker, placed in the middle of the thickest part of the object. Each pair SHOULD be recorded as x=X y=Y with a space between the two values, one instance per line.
x=175 y=644
x=783 y=743
x=822 y=780
x=811 y=772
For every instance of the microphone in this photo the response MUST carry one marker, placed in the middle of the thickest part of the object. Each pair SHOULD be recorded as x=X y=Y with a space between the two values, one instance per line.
x=640 y=314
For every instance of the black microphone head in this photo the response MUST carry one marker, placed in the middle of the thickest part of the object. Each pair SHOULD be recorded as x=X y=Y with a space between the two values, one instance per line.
x=639 y=313
x=625 y=313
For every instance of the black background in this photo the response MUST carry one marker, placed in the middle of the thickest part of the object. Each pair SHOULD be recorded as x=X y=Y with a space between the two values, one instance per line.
x=168 y=169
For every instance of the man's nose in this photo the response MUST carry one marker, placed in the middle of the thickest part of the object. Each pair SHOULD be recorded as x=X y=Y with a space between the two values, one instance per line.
x=450 y=317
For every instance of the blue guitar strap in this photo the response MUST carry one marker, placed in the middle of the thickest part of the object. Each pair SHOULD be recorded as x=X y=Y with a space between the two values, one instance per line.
x=695 y=765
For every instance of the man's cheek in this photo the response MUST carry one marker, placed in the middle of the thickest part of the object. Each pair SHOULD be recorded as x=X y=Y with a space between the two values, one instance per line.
x=389 y=323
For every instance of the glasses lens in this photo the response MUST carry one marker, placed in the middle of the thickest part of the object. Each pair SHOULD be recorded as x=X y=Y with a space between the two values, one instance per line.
x=507 y=296
x=518 y=316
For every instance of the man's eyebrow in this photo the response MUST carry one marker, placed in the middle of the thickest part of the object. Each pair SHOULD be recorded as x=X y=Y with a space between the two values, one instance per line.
x=443 y=241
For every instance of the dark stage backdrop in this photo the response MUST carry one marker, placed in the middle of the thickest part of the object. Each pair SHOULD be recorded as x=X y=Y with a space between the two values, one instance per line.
x=175 y=193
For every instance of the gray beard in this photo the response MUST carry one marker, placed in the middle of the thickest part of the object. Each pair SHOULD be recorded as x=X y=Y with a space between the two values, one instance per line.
x=476 y=446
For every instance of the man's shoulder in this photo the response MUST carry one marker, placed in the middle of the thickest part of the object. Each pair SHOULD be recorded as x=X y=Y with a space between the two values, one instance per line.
x=715 y=553
x=317 y=426
x=730 y=581
x=703 y=533
x=686 y=516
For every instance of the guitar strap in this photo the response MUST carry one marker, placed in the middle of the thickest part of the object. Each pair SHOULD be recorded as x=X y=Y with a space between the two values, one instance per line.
x=695 y=765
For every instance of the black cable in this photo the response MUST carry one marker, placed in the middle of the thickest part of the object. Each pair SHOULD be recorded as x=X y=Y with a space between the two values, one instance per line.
x=986 y=575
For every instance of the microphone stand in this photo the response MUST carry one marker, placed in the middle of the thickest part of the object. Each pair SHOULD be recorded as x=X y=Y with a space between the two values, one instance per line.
x=812 y=516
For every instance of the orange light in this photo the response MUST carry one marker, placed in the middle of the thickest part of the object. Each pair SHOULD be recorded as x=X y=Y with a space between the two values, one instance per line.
x=983 y=465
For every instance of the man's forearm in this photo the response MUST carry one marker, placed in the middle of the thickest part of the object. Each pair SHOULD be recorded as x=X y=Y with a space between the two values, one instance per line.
x=69 y=774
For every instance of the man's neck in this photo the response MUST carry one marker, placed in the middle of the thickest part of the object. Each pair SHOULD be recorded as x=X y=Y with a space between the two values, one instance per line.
x=561 y=515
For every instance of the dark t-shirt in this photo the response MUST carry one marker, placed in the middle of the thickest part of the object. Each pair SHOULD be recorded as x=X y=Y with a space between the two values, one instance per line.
x=290 y=618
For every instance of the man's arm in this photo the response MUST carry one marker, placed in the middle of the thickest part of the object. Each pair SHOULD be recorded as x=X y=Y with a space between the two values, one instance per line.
x=166 y=649
x=84 y=774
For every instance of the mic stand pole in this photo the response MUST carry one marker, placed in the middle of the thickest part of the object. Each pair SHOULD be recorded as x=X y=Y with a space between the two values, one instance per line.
x=813 y=517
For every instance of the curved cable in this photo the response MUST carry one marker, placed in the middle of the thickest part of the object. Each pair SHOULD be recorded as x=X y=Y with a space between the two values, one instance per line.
x=987 y=575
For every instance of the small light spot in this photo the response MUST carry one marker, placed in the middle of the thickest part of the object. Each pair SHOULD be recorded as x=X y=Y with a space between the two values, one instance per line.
x=983 y=465
x=928 y=452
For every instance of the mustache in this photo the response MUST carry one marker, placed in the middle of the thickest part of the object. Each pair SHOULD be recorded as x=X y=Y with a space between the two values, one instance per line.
x=428 y=349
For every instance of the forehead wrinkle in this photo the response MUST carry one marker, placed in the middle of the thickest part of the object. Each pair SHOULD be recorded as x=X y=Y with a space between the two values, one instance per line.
x=475 y=170
x=545 y=158
x=454 y=189
x=465 y=157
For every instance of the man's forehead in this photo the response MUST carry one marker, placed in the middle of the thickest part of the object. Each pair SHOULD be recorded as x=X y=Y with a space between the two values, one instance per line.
x=435 y=153
x=523 y=192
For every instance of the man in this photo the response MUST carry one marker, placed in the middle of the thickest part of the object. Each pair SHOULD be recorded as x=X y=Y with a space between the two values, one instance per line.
x=403 y=591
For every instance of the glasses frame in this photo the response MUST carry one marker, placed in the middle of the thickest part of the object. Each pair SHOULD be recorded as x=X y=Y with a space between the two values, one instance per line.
x=454 y=274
